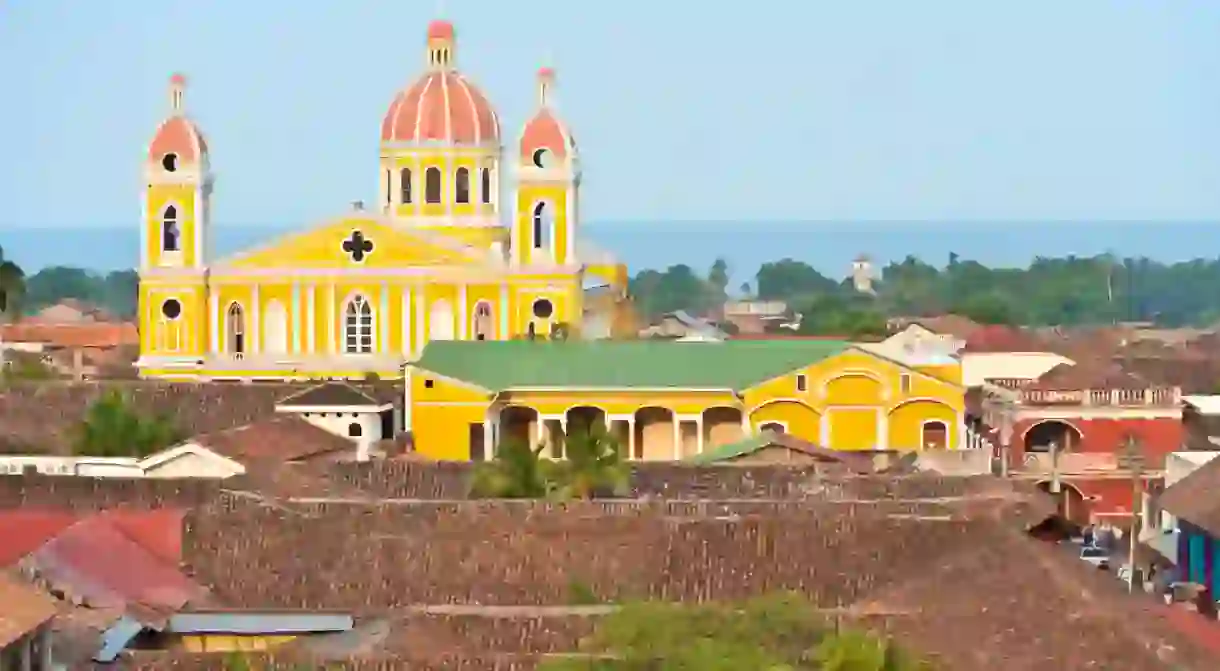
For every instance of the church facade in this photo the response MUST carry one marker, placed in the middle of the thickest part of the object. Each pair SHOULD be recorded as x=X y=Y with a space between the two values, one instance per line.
x=441 y=255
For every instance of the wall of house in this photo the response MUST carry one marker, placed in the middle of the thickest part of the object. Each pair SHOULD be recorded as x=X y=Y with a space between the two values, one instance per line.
x=190 y=465
x=1198 y=552
x=1158 y=436
x=232 y=642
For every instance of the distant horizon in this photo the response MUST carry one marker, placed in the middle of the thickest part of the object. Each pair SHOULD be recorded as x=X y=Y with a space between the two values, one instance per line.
x=828 y=246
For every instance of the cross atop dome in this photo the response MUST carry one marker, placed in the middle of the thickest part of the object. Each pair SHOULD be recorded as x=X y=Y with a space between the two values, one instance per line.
x=440 y=45
x=177 y=89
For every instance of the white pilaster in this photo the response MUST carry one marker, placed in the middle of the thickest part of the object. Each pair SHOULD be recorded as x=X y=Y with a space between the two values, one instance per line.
x=200 y=226
x=311 y=323
x=406 y=322
x=504 y=334
x=883 y=431
x=699 y=434
x=488 y=436
x=677 y=438
x=406 y=399
x=631 y=438
x=463 y=313
x=383 y=321
x=745 y=424
x=569 y=232
x=296 y=318
x=144 y=226
x=961 y=431
x=824 y=430
x=256 y=330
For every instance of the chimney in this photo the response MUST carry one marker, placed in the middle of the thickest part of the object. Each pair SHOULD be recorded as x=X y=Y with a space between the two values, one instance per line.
x=358 y=205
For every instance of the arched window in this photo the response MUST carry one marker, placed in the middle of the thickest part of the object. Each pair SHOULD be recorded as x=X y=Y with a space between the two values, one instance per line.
x=235 y=330
x=485 y=178
x=542 y=227
x=405 y=186
x=482 y=321
x=354 y=430
x=171 y=240
x=461 y=185
x=358 y=326
x=432 y=185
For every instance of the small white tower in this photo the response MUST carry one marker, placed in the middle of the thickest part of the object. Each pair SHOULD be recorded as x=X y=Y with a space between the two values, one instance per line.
x=862 y=274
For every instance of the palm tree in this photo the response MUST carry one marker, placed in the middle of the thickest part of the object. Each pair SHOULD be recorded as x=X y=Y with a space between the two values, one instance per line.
x=853 y=650
x=593 y=464
x=517 y=471
x=114 y=428
x=12 y=287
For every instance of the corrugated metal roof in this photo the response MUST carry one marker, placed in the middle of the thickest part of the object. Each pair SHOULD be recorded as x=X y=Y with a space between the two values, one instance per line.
x=95 y=561
x=22 y=610
x=24 y=531
x=116 y=638
x=259 y=623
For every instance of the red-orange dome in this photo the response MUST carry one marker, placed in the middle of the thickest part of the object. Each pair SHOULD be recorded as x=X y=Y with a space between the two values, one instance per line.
x=443 y=106
x=546 y=131
x=178 y=135
x=440 y=30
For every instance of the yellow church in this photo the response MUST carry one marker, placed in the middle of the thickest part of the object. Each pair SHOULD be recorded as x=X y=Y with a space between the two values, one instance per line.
x=436 y=258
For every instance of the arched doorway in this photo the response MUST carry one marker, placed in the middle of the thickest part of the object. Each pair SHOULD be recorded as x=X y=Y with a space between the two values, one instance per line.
x=519 y=423
x=934 y=435
x=654 y=434
x=721 y=426
x=1041 y=436
x=483 y=325
x=585 y=419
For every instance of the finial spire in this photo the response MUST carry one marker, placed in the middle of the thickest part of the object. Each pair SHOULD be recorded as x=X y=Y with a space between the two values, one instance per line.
x=440 y=45
x=546 y=82
x=177 y=89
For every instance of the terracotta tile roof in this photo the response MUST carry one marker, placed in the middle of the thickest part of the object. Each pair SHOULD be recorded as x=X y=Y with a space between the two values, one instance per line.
x=1086 y=375
x=853 y=461
x=951 y=325
x=157 y=531
x=331 y=394
x=24 y=531
x=1195 y=374
x=1010 y=602
x=1003 y=339
x=22 y=609
x=87 y=334
x=1196 y=497
x=278 y=439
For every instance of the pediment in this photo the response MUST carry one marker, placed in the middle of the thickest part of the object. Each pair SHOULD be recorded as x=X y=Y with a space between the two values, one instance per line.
x=357 y=241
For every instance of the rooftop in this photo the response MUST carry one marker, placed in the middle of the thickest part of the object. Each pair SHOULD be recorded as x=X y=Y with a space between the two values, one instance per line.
x=730 y=365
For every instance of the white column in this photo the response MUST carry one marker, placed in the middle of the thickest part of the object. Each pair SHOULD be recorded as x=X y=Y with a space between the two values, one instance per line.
x=631 y=437
x=383 y=321
x=406 y=399
x=420 y=336
x=504 y=334
x=569 y=232
x=745 y=424
x=883 y=431
x=214 y=318
x=330 y=320
x=463 y=313
x=406 y=322
x=296 y=318
x=961 y=431
x=824 y=429
x=256 y=330
x=145 y=225
x=489 y=444
x=310 y=323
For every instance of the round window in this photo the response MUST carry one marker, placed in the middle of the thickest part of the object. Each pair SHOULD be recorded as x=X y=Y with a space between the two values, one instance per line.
x=543 y=308
x=170 y=162
x=171 y=308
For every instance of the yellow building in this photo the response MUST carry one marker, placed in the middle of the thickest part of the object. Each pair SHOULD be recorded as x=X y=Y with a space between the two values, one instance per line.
x=667 y=400
x=433 y=259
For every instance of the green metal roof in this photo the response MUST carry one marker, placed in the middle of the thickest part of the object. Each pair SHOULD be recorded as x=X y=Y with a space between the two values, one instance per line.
x=741 y=448
x=735 y=365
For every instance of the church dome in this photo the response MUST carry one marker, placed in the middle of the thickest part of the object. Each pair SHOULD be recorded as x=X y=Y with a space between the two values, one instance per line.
x=177 y=135
x=442 y=106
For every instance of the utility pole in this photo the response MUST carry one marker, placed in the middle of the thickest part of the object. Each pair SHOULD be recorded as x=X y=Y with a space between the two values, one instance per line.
x=1132 y=458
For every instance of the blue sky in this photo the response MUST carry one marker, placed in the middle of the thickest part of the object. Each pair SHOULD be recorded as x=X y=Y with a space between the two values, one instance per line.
x=816 y=110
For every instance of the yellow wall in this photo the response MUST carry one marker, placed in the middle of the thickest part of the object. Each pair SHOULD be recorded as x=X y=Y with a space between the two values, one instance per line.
x=555 y=195
x=182 y=196
x=232 y=642
x=184 y=336
x=853 y=401
x=856 y=401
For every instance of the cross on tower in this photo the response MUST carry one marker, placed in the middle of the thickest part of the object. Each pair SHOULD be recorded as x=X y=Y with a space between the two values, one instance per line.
x=358 y=246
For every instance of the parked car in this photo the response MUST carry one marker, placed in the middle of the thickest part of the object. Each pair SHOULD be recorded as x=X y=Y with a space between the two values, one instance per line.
x=1099 y=557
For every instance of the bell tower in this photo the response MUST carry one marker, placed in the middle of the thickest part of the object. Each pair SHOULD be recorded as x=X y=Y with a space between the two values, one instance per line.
x=177 y=193
x=545 y=228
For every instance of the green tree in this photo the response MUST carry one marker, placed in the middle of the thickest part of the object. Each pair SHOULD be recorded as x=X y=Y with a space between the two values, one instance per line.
x=788 y=279
x=12 y=288
x=677 y=288
x=517 y=471
x=718 y=282
x=769 y=633
x=113 y=427
x=593 y=465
